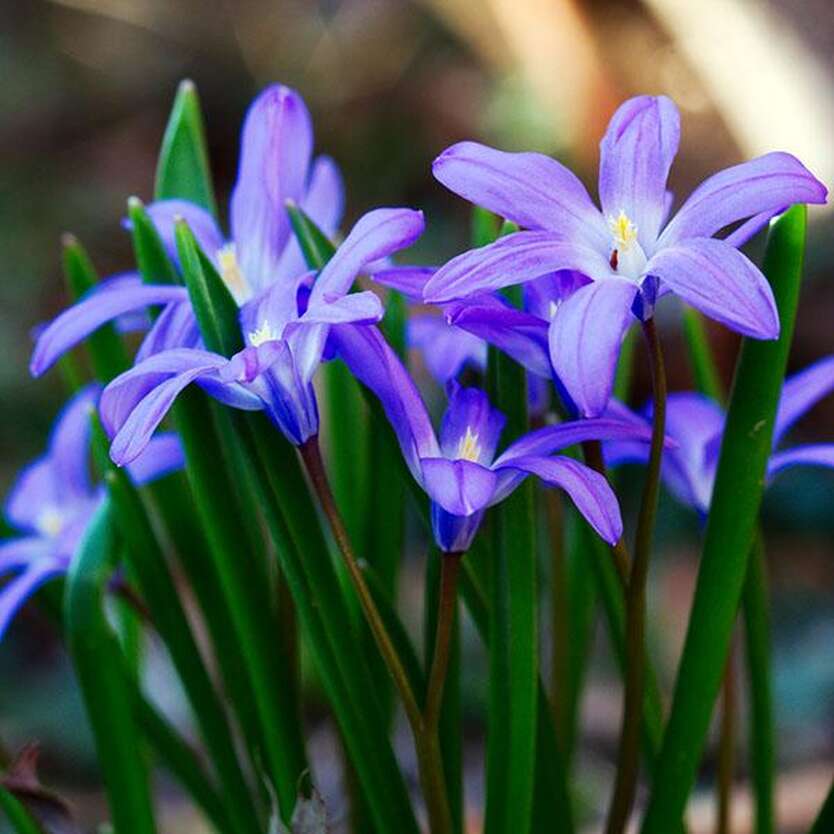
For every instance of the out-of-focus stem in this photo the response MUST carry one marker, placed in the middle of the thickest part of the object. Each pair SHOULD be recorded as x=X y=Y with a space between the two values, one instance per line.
x=726 y=748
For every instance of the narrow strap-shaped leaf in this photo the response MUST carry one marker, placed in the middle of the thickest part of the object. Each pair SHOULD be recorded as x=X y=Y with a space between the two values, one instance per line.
x=183 y=168
x=484 y=226
x=824 y=823
x=706 y=376
x=148 y=565
x=730 y=530
x=154 y=264
x=107 y=697
x=18 y=816
x=449 y=730
x=513 y=645
x=107 y=351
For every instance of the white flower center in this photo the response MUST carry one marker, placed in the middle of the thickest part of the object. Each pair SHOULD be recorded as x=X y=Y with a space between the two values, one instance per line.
x=627 y=256
x=232 y=274
x=262 y=334
x=50 y=522
x=468 y=447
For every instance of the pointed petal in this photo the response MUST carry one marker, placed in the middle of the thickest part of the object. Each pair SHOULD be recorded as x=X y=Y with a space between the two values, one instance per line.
x=36 y=487
x=275 y=152
x=520 y=335
x=589 y=491
x=409 y=280
x=461 y=487
x=356 y=308
x=164 y=213
x=470 y=413
x=112 y=298
x=801 y=392
x=445 y=349
x=818 y=454
x=513 y=259
x=376 y=234
x=69 y=446
x=636 y=154
x=720 y=282
x=324 y=201
x=16 y=592
x=18 y=553
x=585 y=337
x=751 y=227
x=162 y=455
x=552 y=438
x=531 y=189
x=372 y=361
x=175 y=327
x=767 y=183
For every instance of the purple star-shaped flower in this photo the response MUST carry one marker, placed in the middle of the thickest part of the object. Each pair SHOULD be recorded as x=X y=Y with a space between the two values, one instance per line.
x=630 y=250
x=53 y=500
x=697 y=424
x=459 y=470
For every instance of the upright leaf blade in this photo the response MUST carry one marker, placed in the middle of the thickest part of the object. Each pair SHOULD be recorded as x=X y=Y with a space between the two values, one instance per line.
x=730 y=530
x=183 y=168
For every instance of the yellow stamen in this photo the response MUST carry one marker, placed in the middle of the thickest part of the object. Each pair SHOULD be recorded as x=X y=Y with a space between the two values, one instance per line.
x=231 y=273
x=264 y=333
x=50 y=522
x=624 y=231
x=468 y=447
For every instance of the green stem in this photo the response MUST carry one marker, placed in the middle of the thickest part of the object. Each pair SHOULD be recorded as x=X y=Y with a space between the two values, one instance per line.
x=628 y=764
x=726 y=747
x=559 y=614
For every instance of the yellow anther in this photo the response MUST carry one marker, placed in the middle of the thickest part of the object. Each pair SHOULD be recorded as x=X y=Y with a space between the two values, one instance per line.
x=623 y=230
x=231 y=273
x=468 y=447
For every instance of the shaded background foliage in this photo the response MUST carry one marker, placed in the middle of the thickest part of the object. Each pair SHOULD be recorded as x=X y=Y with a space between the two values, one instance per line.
x=86 y=89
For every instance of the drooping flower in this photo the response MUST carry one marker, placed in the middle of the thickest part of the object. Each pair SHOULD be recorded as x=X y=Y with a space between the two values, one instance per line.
x=284 y=327
x=54 y=499
x=697 y=424
x=459 y=470
x=276 y=165
x=630 y=250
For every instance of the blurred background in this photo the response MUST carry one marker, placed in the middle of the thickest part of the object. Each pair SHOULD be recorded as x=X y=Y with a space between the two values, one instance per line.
x=86 y=88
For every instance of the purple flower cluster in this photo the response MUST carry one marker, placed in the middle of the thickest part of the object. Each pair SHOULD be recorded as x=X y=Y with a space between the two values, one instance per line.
x=587 y=273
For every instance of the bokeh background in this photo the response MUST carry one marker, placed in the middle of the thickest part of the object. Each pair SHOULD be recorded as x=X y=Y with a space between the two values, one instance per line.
x=86 y=88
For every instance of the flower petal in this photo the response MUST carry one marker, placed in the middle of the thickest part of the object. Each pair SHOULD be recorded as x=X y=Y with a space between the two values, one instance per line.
x=454 y=533
x=470 y=414
x=531 y=189
x=589 y=491
x=409 y=280
x=175 y=327
x=204 y=227
x=376 y=234
x=69 y=446
x=16 y=592
x=513 y=259
x=112 y=298
x=445 y=349
x=18 y=553
x=801 y=392
x=586 y=333
x=721 y=282
x=818 y=454
x=162 y=455
x=636 y=154
x=276 y=148
x=461 y=487
x=372 y=361
x=763 y=184
x=355 y=308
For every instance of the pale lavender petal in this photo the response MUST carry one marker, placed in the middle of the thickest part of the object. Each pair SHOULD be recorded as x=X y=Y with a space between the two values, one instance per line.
x=324 y=201
x=818 y=454
x=751 y=227
x=552 y=438
x=376 y=234
x=307 y=343
x=18 y=553
x=461 y=487
x=231 y=394
x=372 y=361
x=273 y=308
x=356 y=308
x=253 y=361
x=111 y=299
x=470 y=418
x=69 y=445
x=162 y=455
x=542 y=294
x=204 y=227
x=513 y=259
x=721 y=282
x=36 y=487
x=636 y=154
x=445 y=349
x=589 y=490
x=520 y=335
x=408 y=280
x=531 y=189
x=275 y=153
x=586 y=334
x=16 y=592
x=801 y=392
x=767 y=183
x=175 y=327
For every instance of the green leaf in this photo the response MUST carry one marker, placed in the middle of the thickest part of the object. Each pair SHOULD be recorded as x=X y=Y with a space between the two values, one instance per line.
x=730 y=531
x=824 y=822
x=484 y=226
x=706 y=376
x=21 y=820
x=151 y=258
x=107 y=351
x=183 y=168
x=214 y=307
x=513 y=652
x=97 y=659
